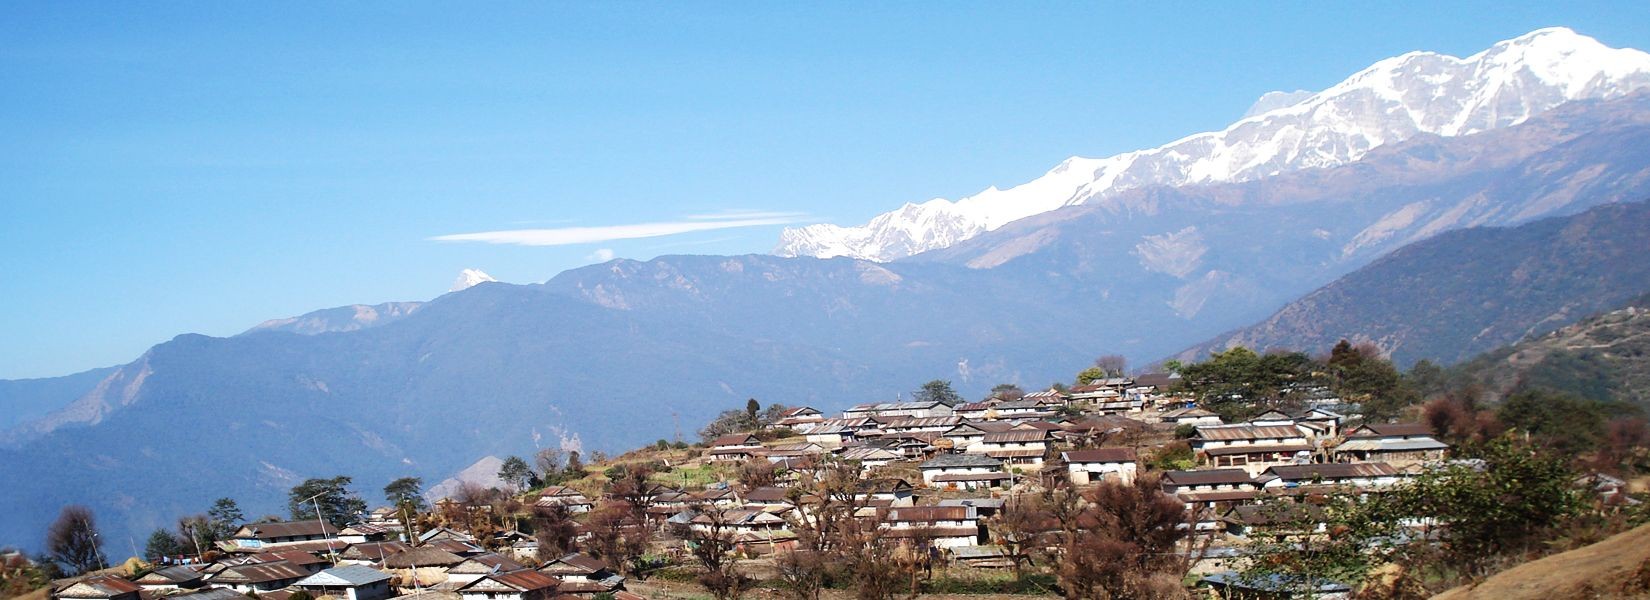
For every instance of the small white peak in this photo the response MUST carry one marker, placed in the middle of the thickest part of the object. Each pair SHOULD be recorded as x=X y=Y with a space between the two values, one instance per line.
x=1271 y=101
x=468 y=278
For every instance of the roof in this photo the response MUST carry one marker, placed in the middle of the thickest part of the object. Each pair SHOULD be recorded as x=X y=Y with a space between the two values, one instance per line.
x=912 y=422
x=1208 y=477
x=173 y=574
x=953 y=461
x=930 y=532
x=345 y=576
x=1333 y=471
x=211 y=594
x=1392 y=430
x=490 y=562
x=1221 y=496
x=1016 y=436
x=274 y=571
x=975 y=502
x=736 y=439
x=520 y=580
x=577 y=563
x=992 y=476
x=1247 y=432
x=422 y=556
x=99 y=586
x=929 y=514
x=1100 y=455
x=767 y=494
x=1357 y=444
x=264 y=531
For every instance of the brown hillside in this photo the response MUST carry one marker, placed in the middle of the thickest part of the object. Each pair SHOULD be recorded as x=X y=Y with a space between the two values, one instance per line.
x=1616 y=568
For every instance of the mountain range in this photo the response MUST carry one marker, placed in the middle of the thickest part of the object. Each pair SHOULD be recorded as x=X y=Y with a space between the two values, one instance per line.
x=625 y=352
x=1419 y=93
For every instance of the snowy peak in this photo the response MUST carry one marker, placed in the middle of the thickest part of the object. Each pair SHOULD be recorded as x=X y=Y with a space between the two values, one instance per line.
x=1391 y=101
x=468 y=278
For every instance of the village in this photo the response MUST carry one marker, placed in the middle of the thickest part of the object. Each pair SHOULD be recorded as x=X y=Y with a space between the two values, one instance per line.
x=902 y=494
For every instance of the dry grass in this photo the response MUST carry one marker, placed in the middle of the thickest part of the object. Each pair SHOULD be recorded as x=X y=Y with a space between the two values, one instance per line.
x=1616 y=568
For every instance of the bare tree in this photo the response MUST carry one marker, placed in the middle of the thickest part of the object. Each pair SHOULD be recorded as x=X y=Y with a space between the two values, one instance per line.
x=757 y=472
x=549 y=461
x=714 y=543
x=72 y=542
x=803 y=573
x=1119 y=541
x=1115 y=365
x=616 y=535
x=554 y=529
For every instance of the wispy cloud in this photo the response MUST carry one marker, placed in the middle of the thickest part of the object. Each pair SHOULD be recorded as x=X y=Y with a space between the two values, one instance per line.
x=563 y=236
x=601 y=255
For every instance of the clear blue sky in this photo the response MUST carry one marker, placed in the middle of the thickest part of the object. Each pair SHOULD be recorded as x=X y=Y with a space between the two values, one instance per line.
x=200 y=167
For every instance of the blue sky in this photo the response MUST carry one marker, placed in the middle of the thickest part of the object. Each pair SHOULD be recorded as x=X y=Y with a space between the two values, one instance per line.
x=201 y=167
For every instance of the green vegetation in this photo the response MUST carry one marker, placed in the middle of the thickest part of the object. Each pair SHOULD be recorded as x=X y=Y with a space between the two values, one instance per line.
x=330 y=497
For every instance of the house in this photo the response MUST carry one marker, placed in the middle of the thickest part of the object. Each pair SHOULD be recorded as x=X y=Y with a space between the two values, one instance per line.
x=444 y=533
x=474 y=567
x=1211 y=492
x=1357 y=475
x=921 y=409
x=260 y=535
x=968 y=433
x=259 y=578
x=361 y=533
x=984 y=507
x=915 y=424
x=309 y=562
x=937 y=526
x=385 y=516
x=734 y=447
x=1017 y=447
x=349 y=582
x=1049 y=397
x=424 y=566
x=981 y=557
x=799 y=416
x=1020 y=409
x=870 y=456
x=560 y=495
x=519 y=585
x=1252 y=447
x=371 y=553
x=752 y=531
x=1189 y=416
x=1101 y=464
x=767 y=496
x=577 y=566
x=782 y=452
x=1398 y=444
x=896 y=492
x=964 y=471
x=973 y=411
x=181 y=577
x=100 y=587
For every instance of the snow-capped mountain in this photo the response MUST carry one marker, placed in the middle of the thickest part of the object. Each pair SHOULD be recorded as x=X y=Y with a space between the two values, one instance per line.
x=1393 y=100
x=468 y=278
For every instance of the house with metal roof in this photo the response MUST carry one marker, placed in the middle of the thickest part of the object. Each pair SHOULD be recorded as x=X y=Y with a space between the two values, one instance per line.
x=350 y=582
x=520 y=585
x=1100 y=464
x=963 y=471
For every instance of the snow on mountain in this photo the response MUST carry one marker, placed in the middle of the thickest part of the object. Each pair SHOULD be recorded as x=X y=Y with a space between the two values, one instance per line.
x=468 y=278
x=1393 y=100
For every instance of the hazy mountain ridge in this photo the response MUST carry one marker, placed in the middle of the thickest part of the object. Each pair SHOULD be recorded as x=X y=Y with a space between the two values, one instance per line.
x=342 y=318
x=1391 y=101
x=1465 y=292
x=1604 y=357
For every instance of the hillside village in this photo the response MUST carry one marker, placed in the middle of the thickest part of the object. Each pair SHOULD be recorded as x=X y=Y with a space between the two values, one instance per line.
x=881 y=500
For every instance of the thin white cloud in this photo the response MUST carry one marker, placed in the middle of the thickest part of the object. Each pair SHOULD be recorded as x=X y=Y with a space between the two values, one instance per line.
x=744 y=214
x=563 y=236
x=601 y=255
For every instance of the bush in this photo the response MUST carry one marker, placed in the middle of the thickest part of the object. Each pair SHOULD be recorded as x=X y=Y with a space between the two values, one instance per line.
x=1185 y=431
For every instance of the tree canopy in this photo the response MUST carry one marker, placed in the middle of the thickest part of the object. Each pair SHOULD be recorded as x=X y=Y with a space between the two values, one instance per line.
x=331 y=497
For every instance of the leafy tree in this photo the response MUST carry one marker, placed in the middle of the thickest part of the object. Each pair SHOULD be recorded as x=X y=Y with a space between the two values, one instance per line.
x=1360 y=374
x=72 y=542
x=337 y=505
x=224 y=518
x=1118 y=540
x=730 y=421
x=937 y=391
x=1565 y=421
x=752 y=408
x=162 y=545
x=406 y=491
x=1090 y=375
x=196 y=531
x=1238 y=383
x=515 y=472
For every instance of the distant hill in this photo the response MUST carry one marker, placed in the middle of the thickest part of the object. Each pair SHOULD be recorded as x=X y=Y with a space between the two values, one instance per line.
x=24 y=400
x=1603 y=357
x=1469 y=291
